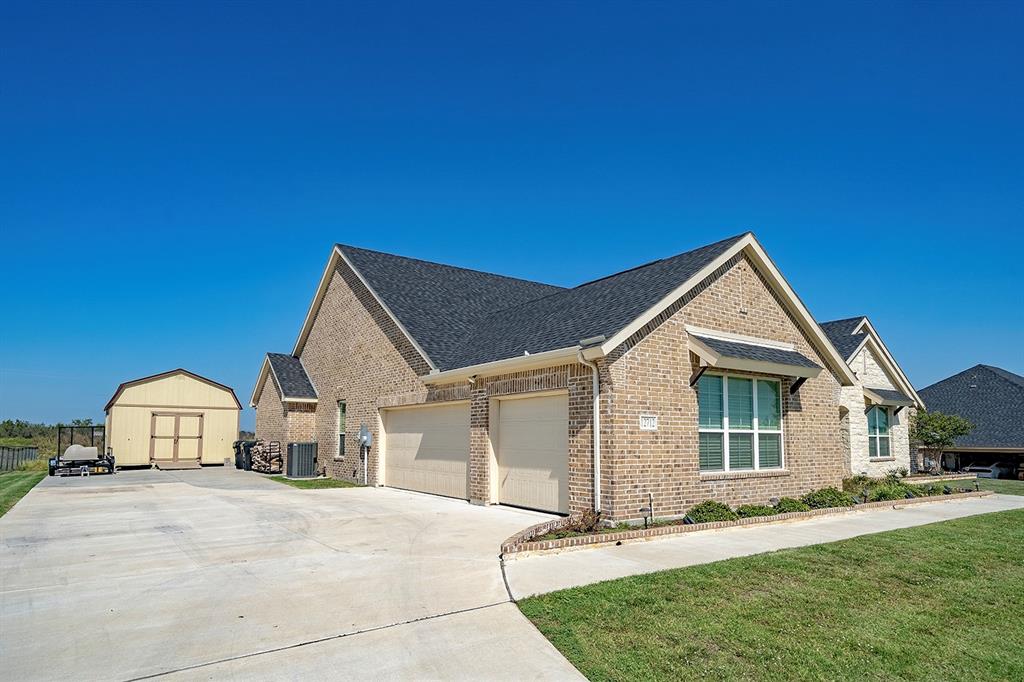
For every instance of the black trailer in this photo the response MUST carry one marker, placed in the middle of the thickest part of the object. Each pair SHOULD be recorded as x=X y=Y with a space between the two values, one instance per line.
x=81 y=450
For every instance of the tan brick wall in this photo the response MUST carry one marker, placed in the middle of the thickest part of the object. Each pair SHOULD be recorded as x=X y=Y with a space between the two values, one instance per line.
x=356 y=353
x=271 y=422
x=650 y=375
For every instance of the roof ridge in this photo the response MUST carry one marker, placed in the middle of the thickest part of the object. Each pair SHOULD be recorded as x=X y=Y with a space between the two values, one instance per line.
x=1001 y=373
x=662 y=260
x=448 y=265
x=845 y=319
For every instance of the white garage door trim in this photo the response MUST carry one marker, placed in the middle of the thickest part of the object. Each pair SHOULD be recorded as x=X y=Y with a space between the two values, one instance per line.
x=426 y=448
x=533 y=451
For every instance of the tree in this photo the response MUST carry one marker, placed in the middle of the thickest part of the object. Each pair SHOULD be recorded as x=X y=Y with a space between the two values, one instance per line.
x=936 y=432
x=81 y=422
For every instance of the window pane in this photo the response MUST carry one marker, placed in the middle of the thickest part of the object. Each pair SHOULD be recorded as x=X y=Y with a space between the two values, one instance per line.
x=768 y=412
x=741 y=404
x=341 y=416
x=769 y=446
x=712 y=456
x=709 y=401
x=741 y=450
x=883 y=420
x=883 y=447
x=872 y=421
x=872 y=446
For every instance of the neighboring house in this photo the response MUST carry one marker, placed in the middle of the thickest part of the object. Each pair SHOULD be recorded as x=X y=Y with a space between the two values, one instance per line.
x=992 y=399
x=877 y=409
x=714 y=382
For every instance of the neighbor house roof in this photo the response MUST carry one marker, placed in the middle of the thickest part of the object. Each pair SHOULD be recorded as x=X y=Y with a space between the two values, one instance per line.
x=990 y=398
x=462 y=321
x=162 y=375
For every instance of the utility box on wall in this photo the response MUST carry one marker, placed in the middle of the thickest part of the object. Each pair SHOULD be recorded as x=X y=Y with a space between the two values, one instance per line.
x=301 y=460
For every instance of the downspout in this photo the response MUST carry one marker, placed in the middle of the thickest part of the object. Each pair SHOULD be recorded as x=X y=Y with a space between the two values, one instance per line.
x=596 y=392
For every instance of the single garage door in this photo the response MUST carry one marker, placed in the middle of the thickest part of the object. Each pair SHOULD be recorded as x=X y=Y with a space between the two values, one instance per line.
x=533 y=452
x=427 y=449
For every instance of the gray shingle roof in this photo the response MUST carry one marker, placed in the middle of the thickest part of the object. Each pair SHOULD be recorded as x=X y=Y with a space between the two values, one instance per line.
x=440 y=305
x=890 y=394
x=840 y=333
x=601 y=307
x=463 y=317
x=749 y=351
x=291 y=376
x=990 y=398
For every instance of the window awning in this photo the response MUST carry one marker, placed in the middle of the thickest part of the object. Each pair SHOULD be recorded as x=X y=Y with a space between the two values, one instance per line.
x=751 y=357
x=886 y=396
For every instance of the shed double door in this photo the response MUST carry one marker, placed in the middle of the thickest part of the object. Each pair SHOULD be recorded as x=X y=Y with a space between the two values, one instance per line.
x=176 y=437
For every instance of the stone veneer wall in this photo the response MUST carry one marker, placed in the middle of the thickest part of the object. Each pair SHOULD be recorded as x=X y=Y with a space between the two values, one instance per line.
x=871 y=374
x=650 y=375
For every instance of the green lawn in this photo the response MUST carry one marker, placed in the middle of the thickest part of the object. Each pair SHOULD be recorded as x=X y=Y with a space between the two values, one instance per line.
x=14 y=485
x=1002 y=486
x=314 y=483
x=937 y=602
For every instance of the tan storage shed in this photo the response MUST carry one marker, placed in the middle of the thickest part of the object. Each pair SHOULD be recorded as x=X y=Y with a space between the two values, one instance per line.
x=173 y=420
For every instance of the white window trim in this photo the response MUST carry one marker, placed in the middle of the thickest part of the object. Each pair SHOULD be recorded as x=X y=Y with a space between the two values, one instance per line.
x=755 y=430
x=875 y=453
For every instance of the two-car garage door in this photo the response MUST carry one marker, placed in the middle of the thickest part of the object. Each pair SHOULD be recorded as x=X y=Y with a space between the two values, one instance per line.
x=427 y=449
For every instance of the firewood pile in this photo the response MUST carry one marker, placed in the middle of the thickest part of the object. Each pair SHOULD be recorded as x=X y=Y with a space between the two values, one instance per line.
x=266 y=457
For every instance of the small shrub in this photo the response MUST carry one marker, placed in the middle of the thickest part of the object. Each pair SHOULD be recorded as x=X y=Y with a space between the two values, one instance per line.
x=748 y=510
x=903 y=472
x=947 y=490
x=827 y=497
x=587 y=522
x=856 y=484
x=787 y=505
x=888 y=492
x=708 y=511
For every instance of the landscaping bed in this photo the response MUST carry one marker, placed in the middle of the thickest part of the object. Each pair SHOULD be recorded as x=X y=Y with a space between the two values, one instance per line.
x=935 y=602
x=580 y=530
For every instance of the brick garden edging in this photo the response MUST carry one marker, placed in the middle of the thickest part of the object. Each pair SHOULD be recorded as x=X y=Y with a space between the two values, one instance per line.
x=517 y=544
x=918 y=479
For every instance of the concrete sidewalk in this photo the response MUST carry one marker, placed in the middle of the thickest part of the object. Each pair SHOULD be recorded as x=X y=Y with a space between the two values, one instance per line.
x=547 y=573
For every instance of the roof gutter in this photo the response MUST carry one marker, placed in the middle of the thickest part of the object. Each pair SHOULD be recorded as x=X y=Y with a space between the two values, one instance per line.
x=516 y=364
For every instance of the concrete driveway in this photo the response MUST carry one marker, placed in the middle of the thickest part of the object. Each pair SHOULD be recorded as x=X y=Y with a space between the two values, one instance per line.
x=218 y=574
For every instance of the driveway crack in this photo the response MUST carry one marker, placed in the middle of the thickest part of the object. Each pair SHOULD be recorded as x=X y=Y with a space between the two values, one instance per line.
x=318 y=640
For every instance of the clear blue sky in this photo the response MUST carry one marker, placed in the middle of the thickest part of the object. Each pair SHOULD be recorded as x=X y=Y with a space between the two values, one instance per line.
x=173 y=174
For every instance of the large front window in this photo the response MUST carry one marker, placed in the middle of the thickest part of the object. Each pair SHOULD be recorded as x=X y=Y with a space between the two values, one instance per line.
x=878 y=433
x=740 y=423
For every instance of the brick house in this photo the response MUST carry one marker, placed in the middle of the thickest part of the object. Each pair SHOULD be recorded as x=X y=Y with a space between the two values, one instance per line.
x=712 y=381
x=876 y=411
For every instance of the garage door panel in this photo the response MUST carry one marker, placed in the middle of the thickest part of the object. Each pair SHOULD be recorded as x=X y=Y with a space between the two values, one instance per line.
x=428 y=449
x=533 y=452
